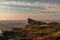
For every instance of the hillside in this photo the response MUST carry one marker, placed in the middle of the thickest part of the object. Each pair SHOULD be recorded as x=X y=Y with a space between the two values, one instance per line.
x=35 y=30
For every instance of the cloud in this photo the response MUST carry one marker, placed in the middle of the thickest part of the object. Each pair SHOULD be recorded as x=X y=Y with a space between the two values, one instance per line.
x=23 y=3
x=51 y=11
x=46 y=6
x=30 y=6
x=4 y=6
x=56 y=1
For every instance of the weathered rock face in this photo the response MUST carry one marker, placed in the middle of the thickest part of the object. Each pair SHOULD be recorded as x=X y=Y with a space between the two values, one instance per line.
x=35 y=30
x=31 y=21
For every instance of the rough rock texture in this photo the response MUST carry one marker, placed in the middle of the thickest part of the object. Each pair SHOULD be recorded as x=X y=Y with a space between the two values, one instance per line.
x=36 y=30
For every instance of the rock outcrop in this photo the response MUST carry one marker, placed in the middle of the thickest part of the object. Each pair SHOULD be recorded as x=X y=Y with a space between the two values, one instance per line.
x=36 y=30
x=32 y=22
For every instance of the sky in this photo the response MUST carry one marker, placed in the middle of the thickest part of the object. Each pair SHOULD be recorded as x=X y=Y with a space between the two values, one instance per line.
x=34 y=9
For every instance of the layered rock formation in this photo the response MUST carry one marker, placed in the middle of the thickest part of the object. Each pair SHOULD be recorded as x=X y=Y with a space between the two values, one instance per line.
x=36 y=30
x=32 y=22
